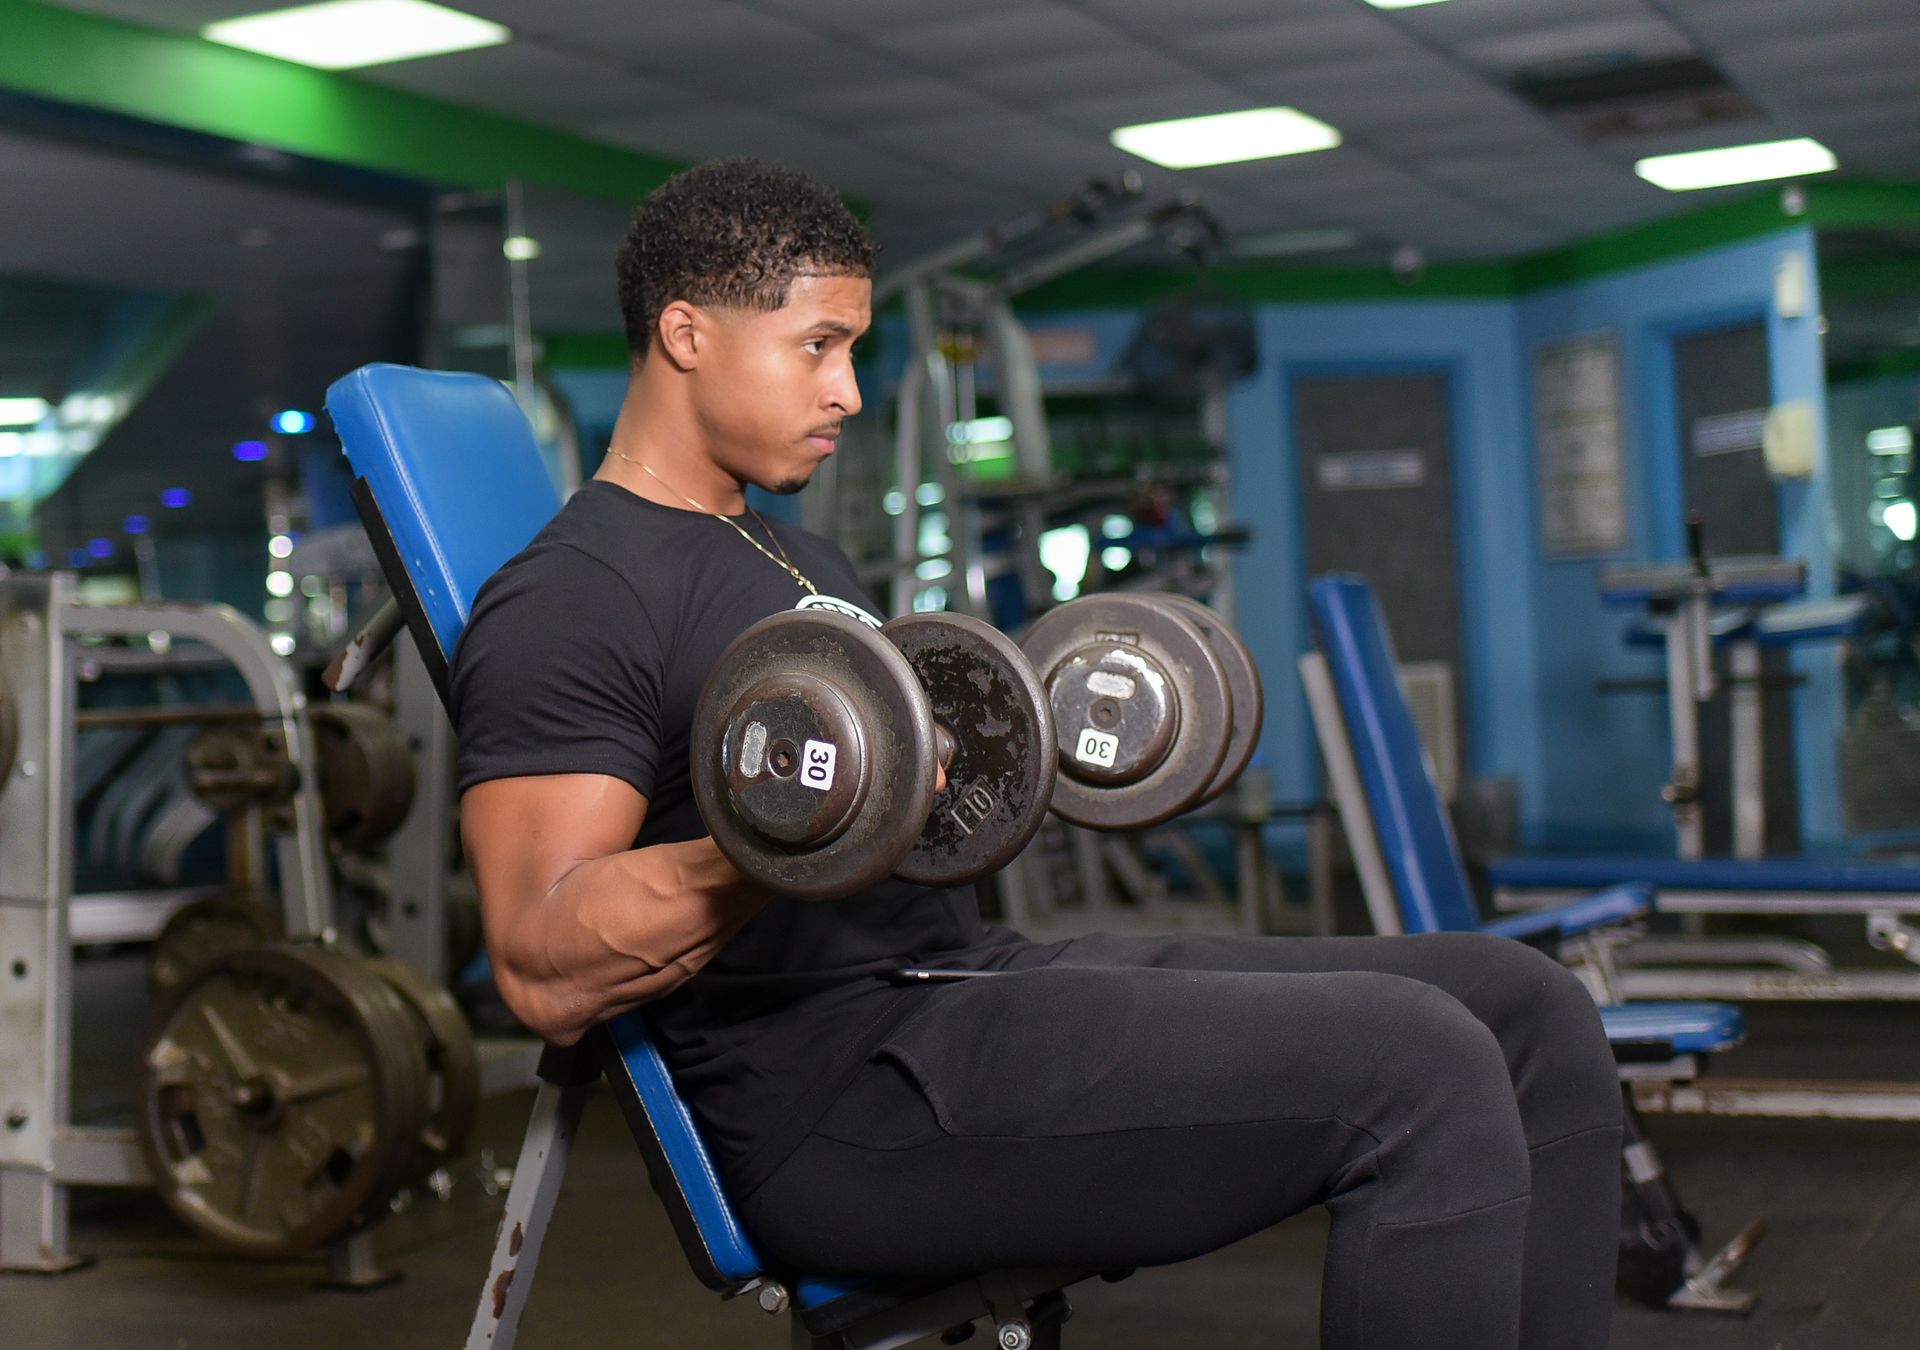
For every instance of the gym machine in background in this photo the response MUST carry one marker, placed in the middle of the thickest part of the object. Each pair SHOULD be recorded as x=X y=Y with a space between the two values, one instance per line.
x=288 y=1089
x=952 y=536
x=42 y=1152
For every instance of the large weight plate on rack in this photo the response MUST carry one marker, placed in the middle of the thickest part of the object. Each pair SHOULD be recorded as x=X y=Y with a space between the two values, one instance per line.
x=1140 y=705
x=365 y=770
x=1243 y=683
x=813 y=755
x=453 y=1064
x=984 y=692
x=281 y=1092
x=200 y=932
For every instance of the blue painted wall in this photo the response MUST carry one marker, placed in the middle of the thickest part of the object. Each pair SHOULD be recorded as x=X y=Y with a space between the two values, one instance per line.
x=1604 y=757
x=1536 y=636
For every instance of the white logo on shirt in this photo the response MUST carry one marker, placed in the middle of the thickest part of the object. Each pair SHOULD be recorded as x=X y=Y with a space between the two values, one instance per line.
x=838 y=606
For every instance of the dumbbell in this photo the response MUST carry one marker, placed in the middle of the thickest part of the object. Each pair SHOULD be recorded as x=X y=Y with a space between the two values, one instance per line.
x=817 y=742
x=1156 y=703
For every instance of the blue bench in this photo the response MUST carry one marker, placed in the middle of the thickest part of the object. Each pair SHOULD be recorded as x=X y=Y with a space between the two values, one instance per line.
x=450 y=484
x=1415 y=882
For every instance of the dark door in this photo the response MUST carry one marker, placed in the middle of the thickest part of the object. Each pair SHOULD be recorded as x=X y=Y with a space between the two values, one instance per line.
x=1376 y=484
x=1723 y=386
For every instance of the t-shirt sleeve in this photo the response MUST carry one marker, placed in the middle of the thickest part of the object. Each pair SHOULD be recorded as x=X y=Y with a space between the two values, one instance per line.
x=559 y=670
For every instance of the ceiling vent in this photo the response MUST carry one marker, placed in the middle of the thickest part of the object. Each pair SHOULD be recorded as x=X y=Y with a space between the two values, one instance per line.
x=1608 y=99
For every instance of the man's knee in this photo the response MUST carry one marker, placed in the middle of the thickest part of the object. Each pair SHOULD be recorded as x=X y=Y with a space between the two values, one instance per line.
x=1550 y=1030
x=1451 y=1132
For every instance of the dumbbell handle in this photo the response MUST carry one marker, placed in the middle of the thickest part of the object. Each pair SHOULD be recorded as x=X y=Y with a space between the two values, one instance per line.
x=943 y=746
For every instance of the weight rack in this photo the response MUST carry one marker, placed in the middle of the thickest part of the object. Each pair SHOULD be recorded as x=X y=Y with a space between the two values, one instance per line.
x=42 y=1153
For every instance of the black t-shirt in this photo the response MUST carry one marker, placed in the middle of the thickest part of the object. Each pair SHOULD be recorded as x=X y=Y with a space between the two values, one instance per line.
x=586 y=653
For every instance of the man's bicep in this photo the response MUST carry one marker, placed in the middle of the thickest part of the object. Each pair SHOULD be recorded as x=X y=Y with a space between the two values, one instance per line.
x=524 y=835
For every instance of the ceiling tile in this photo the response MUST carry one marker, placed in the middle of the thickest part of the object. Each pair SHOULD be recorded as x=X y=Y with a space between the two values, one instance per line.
x=1287 y=43
x=1050 y=79
x=527 y=80
x=858 y=104
x=1450 y=25
x=878 y=173
x=1172 y=18
x=1720 y=21
x=978 y=39
x=182 y=15
x=874 y=16
x=1192 y=96
x=1636 y=36
x=1021 y=141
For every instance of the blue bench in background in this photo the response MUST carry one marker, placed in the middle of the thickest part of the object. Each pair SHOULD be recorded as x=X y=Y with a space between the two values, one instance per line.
x=1415 y=882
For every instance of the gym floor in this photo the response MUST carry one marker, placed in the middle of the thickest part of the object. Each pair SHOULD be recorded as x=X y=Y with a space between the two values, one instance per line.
x=1836 y=1271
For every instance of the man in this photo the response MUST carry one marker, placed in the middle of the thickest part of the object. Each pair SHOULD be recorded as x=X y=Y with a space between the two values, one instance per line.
x=1103 y=1101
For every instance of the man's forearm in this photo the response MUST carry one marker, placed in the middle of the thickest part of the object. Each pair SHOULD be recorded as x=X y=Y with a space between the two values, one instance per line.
x=617 y=931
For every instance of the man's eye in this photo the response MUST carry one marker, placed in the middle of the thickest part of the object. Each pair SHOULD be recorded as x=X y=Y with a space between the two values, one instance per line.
x=815 y=345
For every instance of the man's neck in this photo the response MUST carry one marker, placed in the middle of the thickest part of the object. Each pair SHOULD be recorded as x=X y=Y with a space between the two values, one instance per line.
x=662 y=457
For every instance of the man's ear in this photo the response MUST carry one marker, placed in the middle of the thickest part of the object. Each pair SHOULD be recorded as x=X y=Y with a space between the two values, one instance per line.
x=681 y=332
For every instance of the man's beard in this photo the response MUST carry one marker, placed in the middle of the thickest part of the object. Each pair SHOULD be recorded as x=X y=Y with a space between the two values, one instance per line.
x=786 y=487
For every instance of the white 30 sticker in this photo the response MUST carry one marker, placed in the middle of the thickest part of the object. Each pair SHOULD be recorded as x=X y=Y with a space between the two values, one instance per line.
x=816 y=765
x=1097 y=747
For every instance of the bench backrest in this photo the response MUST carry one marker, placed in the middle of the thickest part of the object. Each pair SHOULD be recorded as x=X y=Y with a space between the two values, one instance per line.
x=1415 y=834
x=450 y=484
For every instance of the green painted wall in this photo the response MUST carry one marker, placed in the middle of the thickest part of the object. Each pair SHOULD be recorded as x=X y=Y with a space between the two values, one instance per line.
x=184 y=81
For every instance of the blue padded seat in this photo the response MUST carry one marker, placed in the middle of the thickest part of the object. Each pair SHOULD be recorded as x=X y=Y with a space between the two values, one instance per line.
x=1812 y=620
x=1723 y=626
x=1682 y=1028
x=1416 y=837
x=1751 y=875
x=1619 y=904
x=1735 y=581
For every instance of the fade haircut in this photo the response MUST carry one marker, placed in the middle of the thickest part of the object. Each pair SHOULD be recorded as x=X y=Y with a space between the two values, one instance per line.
x=732 y=233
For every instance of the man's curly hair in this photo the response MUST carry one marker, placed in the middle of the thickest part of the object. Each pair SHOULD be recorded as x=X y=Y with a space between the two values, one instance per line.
x=732 y=232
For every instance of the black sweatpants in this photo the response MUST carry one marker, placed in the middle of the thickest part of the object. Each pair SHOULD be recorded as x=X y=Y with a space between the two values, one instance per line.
x=1120 y=1102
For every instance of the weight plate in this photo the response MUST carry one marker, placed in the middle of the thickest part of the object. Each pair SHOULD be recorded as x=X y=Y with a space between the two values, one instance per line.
x=230 y=768
x=453 y=1065
x=202 y=931
x=1243 y=684
x=281 y=1090
x=1140 y=706
x=813 y=749
x=984 y=692
x=365 y=768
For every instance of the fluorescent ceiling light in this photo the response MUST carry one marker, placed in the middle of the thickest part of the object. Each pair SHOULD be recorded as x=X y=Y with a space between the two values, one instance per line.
x=1903 y=520
x=22 y=412
x=1291 y=243
x=1890 y=441
x=345 y=34
x=980 y=431
x=1737 y=164
x=1226 y=138
x=1402 y=4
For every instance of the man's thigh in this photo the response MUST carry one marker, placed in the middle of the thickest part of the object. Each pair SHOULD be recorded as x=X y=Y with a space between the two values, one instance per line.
x=1498 y=979
x=1108 y=1113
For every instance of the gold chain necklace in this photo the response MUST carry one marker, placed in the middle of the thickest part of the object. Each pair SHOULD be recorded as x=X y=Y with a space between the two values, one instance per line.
x=782 y=561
